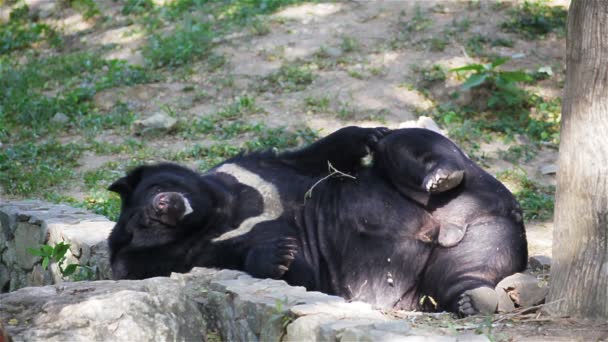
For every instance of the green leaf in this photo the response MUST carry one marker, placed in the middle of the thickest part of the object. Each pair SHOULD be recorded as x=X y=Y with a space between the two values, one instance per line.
x=498 y=61
x=474 y=81
x=35 y=252
x=47 y=250
x=45 y=263
x=69 y=270
x=514 y=76
x=60 y=250
x=469 y=67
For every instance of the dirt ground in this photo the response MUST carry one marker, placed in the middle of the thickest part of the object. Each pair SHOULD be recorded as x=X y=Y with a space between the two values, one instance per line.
x=366 y=83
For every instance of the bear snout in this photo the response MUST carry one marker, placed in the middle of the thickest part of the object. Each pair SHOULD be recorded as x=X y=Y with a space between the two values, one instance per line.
x=171 y=206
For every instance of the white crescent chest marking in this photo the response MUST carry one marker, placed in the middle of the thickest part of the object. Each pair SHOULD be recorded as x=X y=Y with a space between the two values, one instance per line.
x=271 y=200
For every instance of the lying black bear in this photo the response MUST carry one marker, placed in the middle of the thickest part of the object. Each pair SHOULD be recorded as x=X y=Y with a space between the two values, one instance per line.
x=371 y=238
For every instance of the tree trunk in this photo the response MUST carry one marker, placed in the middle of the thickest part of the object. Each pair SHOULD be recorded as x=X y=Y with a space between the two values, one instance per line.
x=579 y=271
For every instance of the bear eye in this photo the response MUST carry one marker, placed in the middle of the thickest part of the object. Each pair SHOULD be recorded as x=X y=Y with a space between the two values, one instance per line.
x=157 y=189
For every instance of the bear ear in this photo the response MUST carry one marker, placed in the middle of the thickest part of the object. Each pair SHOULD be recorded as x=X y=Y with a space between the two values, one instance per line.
x=127 y=184
x=121 y=186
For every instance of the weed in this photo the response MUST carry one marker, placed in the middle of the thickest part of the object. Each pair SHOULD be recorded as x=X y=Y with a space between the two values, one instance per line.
x=349 y=44
x=70 y=81
x=290 y=77
x=260 y=27
x=56 y=254
x=438 y=44
x=88 y=8
x=408 y=27
x=516 y=153
x=535 y=19
x=346 y=111
x=430 y=75
x=536 y=200
x=19 y=33
x=506 y=42
x=103 y=203
x=137 y=6
x=502 y=84
x=189 y=41
x=29 y=168
x=317 y=104
x=281 y=313
x=356 y=73
x=280 y=138
x=418 y=22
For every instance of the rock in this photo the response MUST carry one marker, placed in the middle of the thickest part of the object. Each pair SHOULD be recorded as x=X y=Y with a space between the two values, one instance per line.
x=423 y=122
x=4 y=277
x=149 y=310
x=523 y=289
x=539 y=262
x=245 y=308
x=158 y=121
x=28 y=235
x=8 y=224
x=333 y=52
x=505 y=304
x=82 y=236
x=60 y=118
x=29 y=224
x=549 y=169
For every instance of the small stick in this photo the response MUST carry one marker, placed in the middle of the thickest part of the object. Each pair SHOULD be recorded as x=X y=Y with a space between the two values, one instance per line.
x=333 y=171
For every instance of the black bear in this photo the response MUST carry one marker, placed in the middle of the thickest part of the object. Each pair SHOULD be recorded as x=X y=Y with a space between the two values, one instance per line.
x=370 y=236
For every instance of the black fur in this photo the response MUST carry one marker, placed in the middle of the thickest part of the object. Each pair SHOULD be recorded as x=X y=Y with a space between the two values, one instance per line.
x=372 y=238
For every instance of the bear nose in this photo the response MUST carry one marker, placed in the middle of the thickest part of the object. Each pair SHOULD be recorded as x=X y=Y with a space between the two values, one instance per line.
x=161 y=202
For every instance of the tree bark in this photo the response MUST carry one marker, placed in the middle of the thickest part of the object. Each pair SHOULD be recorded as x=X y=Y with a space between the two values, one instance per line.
x=579 y=271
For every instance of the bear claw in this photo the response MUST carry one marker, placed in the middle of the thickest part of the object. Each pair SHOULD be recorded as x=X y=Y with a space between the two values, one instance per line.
x=442 y=180
x=286 y=252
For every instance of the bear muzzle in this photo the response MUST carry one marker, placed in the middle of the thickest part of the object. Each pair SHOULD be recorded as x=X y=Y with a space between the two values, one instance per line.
x=171 y=207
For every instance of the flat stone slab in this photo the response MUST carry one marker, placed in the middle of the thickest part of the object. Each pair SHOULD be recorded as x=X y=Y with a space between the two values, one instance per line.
x=147 y=310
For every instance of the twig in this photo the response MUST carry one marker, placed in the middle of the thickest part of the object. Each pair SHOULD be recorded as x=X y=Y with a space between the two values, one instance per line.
x=333 y=171
x=522 y=311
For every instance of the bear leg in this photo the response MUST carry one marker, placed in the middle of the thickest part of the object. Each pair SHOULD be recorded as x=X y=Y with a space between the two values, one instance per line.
x=481 y=300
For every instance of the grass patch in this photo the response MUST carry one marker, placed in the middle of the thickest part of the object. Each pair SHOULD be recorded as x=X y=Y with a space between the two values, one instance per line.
x=289 y=78
x=536 y=200
x=20 y=33
x=28 y=169
x=500 y=105
x=35 y=92
x=535 y=19
x=189 y=41
x=317 y=104
x=228 y=122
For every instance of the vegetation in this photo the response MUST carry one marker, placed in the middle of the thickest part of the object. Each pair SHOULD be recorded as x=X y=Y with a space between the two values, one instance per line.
x=535 y=19
x=57 y=254
x=53 y=115
x=537 y=200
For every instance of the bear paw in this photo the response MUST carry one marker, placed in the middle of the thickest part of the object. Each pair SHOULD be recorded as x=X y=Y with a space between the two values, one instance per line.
x=374 y=135
x=481 y=300
x=442 y=180
x=285 y=253
x=271 y=259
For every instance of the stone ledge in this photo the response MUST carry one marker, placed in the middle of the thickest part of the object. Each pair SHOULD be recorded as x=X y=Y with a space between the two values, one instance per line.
x=29 y=224
x=205 y=304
